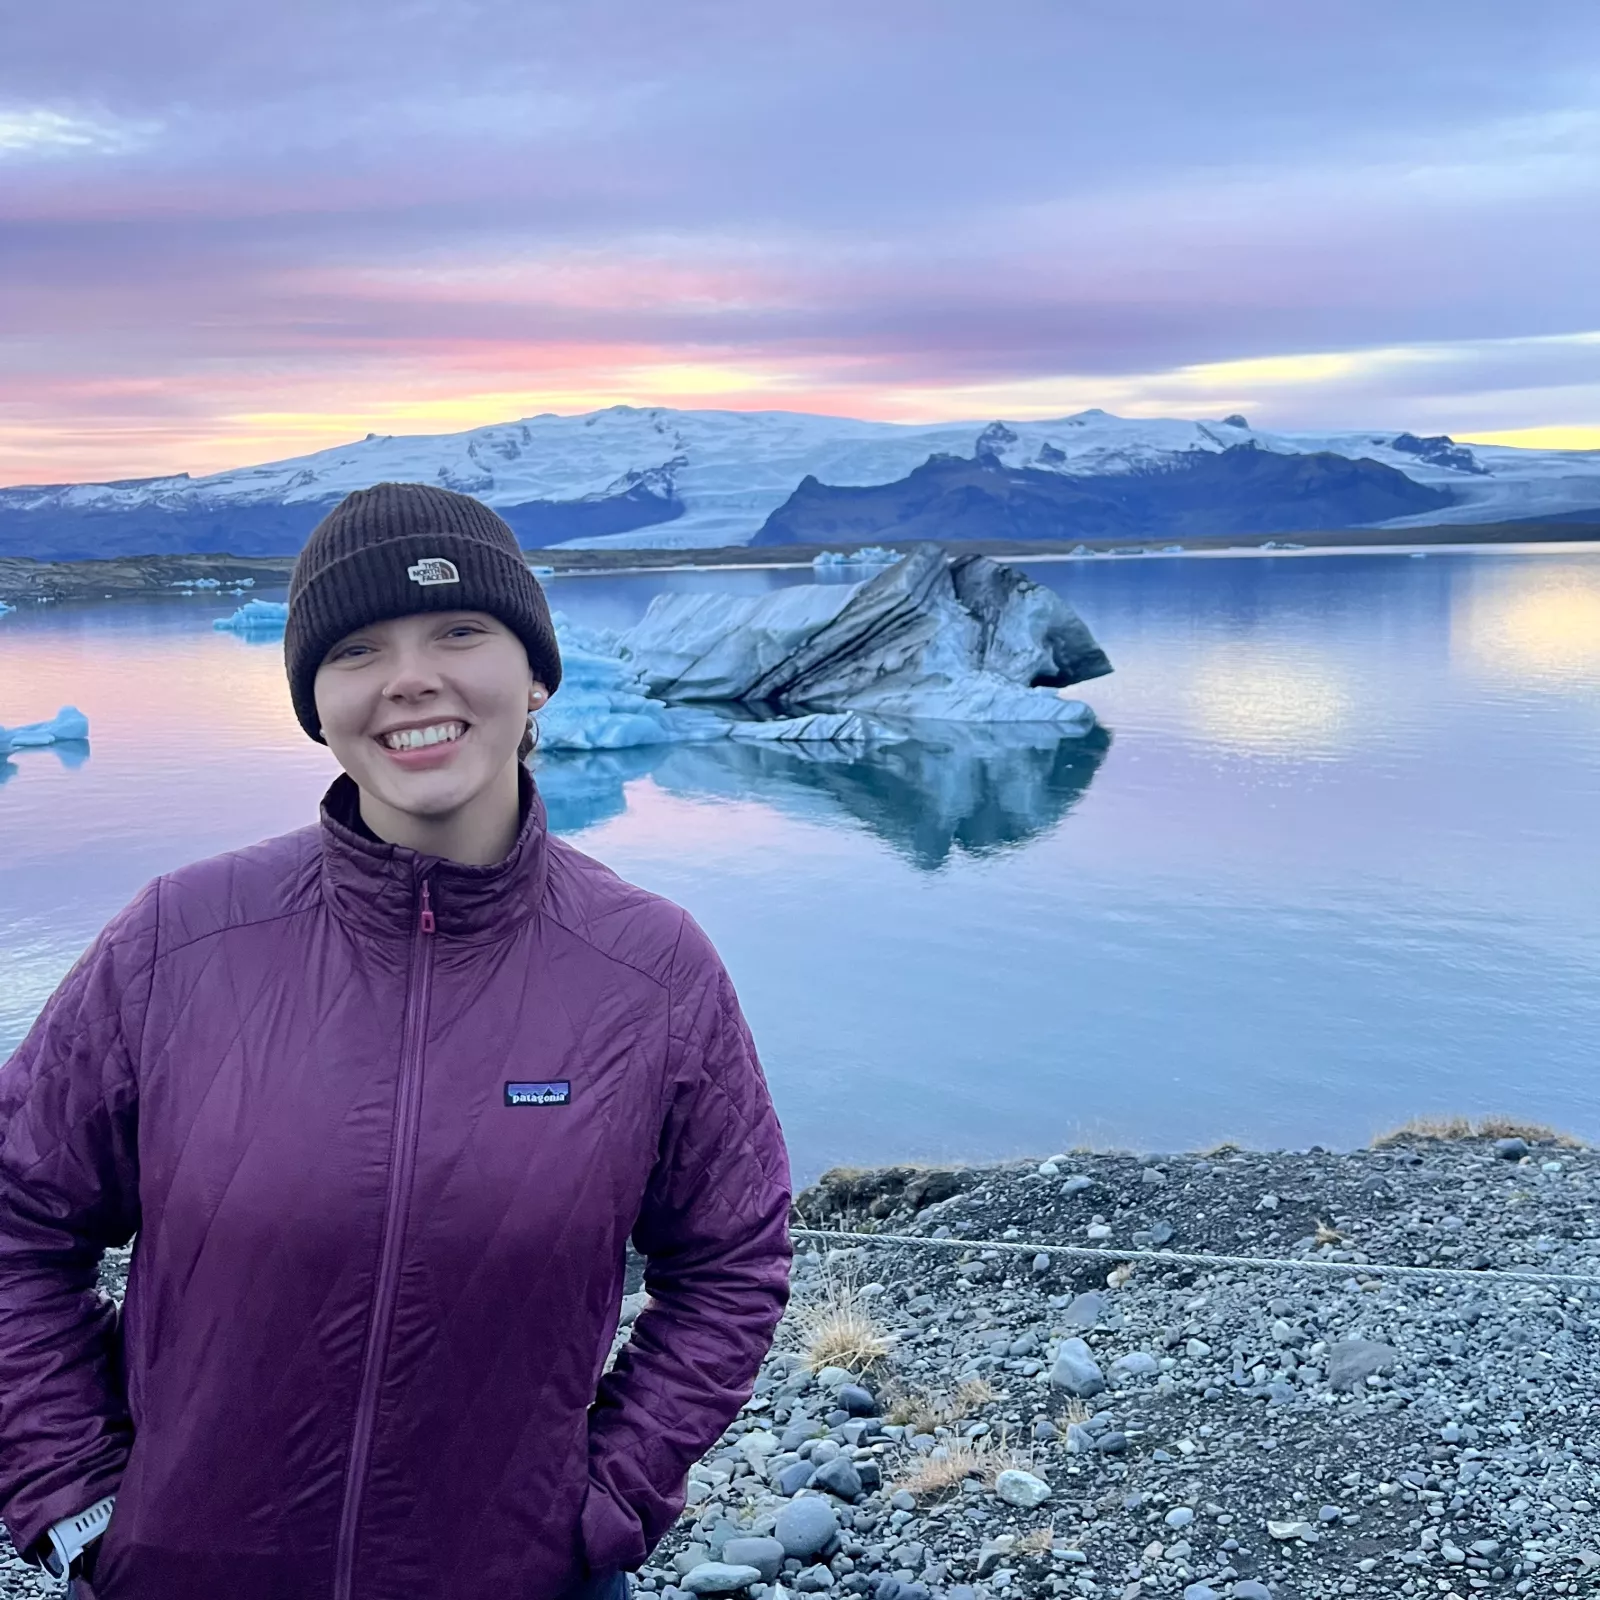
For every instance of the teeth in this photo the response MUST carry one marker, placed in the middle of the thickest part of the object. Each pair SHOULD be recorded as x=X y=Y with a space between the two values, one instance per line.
x=417 y=738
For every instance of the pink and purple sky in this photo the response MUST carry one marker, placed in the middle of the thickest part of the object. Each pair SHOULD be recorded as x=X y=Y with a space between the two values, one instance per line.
x=230 y=234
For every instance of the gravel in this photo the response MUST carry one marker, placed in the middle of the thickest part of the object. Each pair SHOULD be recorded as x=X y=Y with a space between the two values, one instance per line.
x=1221 y=1434
x=1254 y=1434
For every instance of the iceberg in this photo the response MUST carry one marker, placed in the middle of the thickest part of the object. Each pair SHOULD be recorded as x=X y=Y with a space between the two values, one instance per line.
x=68 y=725
x=602 y=704
x=256 y=617
x=872 y=555
x=5 y=608
x=960 y=639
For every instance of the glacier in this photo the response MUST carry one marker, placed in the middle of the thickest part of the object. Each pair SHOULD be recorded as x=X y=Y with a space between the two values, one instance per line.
x=684 y=479
x=67 y=726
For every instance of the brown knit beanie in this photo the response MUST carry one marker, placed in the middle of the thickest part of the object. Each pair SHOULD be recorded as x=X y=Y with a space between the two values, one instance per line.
x=399 y=548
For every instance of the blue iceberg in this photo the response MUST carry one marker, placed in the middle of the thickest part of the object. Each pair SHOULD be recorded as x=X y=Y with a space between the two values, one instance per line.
x=256 y=617
x=5 y=608
x=872 y=555
x=602 y=704
x=68 y=725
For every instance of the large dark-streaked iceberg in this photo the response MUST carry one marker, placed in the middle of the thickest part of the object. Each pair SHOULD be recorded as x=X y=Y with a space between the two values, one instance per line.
x=960 y=639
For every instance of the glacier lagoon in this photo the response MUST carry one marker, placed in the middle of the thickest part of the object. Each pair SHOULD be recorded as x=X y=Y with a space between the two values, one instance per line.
x=1333 y=866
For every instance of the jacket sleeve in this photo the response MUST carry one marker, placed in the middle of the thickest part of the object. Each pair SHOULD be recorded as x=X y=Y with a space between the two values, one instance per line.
x=68 y=1190
x=714 y=1231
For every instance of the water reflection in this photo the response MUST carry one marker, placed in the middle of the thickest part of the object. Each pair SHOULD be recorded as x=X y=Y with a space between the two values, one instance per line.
x=71 y=753
x=952 y=789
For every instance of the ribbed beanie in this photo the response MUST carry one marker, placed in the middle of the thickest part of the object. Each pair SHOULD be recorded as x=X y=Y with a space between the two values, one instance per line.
x=400 y=548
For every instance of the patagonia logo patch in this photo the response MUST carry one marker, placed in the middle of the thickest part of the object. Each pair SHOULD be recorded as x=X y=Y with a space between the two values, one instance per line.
x=538 y=1094
x=433 y=569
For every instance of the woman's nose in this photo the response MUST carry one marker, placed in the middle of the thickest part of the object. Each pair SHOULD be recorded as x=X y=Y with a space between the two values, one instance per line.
x=411 y=678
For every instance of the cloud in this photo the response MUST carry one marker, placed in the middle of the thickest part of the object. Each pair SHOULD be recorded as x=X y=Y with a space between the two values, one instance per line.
x=33 y=131
x=327 y=210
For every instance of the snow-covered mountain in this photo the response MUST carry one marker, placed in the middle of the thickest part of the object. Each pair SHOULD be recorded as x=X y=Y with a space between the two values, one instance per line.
x=631 y=476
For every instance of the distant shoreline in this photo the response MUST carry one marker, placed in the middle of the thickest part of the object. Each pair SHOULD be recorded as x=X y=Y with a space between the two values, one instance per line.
x=22 y=579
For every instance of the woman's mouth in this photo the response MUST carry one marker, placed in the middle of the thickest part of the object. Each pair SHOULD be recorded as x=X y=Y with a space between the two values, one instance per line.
x=421 y=738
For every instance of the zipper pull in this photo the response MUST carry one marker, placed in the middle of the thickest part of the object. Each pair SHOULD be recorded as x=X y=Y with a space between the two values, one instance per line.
x=425 y=921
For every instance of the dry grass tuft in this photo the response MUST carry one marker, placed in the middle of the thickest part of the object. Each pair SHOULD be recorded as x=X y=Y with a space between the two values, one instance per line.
x=1226 y=1147
x=1327 y=1234
x=931 y=1476
x=837 y=1330
x=923 y=1412
x=1452 y=1130
x=1077 y=1411
x=1037 y=1541
x=984 y=1459
x=1119 y=1275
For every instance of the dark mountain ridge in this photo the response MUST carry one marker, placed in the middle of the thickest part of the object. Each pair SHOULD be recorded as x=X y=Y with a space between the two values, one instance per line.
x=1239 y=490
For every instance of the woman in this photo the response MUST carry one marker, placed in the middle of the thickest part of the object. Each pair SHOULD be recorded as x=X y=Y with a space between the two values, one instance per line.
x=382 y=1100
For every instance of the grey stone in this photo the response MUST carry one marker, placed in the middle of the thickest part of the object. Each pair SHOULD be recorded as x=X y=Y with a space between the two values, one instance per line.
x=856 y=1400
x=1351 y=1362
x=794 y=1477
x=839 y=1477
x=1041 y=1263
x=814 y=1580
x=690 y=1557
x=1201 y=1591
x=1179 y=1517
x=1076 y=1371
x=1018 y=1488
x=1076 y=1184
x=765 y=1555
x=1250 y=1589
x=1112 y=1444
x=719 y=1577
x=1085 y=1311
x=1511 y=1149
x=1136 y=1364
x=806 y=1527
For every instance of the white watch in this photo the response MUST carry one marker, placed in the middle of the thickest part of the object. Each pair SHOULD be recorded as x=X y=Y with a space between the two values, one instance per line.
x=71 y=1536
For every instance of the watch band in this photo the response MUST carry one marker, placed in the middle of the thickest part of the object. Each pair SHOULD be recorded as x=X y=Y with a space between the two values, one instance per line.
x=71 y=1536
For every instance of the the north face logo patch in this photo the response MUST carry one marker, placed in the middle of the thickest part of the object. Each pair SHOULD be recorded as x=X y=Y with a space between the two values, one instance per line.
x=538 y=1094
x=433 y=569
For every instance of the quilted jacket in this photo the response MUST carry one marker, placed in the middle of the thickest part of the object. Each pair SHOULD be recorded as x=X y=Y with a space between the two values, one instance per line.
x=381 y=1125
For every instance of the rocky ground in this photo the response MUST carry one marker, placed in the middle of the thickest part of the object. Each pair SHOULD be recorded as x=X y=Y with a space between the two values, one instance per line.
x=963 y=1421
x=1034 y=1430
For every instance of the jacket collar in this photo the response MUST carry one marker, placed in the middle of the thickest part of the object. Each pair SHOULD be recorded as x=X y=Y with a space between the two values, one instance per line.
x=376 y=888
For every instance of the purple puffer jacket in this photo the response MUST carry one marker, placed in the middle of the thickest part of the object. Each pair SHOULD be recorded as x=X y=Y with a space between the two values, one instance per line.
x=382 y=1125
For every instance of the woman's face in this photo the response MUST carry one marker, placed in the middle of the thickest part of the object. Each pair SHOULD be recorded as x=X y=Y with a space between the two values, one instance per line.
x=426 y=712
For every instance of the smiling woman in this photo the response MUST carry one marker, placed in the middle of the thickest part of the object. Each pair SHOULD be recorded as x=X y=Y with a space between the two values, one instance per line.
x=302 y=1073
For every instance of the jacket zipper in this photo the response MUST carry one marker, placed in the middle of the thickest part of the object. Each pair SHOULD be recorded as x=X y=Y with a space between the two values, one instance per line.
x=402 y=1161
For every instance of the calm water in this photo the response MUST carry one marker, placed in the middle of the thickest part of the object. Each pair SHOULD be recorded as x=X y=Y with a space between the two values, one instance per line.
x=1336 y=866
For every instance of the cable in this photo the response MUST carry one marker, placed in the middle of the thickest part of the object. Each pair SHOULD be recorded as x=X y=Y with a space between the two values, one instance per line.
x=1182 y=1258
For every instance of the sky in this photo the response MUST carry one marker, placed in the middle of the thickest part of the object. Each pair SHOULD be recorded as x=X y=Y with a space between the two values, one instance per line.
x=233 y=234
